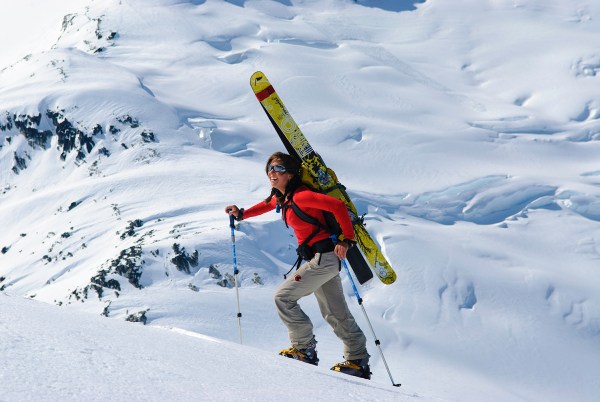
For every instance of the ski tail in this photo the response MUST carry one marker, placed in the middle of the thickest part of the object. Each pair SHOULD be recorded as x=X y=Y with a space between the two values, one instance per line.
x=359 y=265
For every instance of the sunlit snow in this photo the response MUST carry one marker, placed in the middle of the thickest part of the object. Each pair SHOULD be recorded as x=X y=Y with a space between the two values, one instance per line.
x=467 y=130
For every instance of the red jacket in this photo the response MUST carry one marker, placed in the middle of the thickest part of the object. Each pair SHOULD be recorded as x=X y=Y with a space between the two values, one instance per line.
x=311 y=203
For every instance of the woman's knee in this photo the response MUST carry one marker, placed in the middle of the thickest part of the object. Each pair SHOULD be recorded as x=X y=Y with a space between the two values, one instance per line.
x=282 y=296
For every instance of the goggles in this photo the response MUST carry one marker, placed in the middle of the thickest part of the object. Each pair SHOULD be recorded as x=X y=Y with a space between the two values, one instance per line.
x=276 y=168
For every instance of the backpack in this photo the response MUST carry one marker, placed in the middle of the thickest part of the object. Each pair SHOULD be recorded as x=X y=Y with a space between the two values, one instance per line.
x=304 y=251
x=327 y=183
x=327 y=180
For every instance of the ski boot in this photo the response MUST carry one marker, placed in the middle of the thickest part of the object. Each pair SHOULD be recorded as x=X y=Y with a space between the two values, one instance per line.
x=358 y=368
x=307 y=355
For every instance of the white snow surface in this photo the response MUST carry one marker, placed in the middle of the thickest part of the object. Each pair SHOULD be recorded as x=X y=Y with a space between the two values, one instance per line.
x=91 y=358
x=468 y=131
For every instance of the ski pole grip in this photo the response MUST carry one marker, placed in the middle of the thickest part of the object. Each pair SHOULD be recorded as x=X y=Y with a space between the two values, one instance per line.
x=231 y=221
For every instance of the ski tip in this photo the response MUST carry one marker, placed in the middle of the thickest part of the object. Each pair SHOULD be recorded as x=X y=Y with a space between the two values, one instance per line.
x=261 y=86
x=257 y=78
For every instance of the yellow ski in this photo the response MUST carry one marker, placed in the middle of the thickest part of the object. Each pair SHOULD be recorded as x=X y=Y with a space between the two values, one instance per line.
x=321 y=178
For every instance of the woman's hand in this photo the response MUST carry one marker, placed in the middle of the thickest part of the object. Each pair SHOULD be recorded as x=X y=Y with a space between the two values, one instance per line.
x=232 y=210
x=341 y=249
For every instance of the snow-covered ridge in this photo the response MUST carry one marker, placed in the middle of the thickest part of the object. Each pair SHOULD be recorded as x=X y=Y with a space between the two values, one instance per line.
x=467 y=130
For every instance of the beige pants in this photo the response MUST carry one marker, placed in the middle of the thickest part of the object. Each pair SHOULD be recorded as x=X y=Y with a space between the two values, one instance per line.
x=320 y=276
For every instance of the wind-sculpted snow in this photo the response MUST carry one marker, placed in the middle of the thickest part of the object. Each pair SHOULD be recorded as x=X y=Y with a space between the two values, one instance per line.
x=587 y=206
x=574 y=310
x=391 y=5
x=491 y=200
x=582 y=128
x=486 y=201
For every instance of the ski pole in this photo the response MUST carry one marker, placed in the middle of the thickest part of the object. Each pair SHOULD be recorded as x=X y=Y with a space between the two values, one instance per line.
x=377 y=343
x=235 y=275
x=360 y=303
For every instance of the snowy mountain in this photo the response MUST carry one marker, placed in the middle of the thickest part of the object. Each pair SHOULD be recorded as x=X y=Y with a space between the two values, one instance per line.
x=468 y=131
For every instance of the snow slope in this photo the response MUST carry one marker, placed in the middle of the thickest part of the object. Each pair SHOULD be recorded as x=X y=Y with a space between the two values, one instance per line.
x=468 y=130
x=90 y=358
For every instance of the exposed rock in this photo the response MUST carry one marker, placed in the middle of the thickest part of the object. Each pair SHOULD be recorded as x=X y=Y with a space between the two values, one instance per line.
x=19 y=164
x=182 y=260
x=257 y=279
x=129 y=265
x=69 y=137
x=214 y=272
x=228 y=281
x=130 y=229
x=74 y=204
x=27 y=127
x=128 y=120
x=148 y=136
x=140 y=316
x=99 y=282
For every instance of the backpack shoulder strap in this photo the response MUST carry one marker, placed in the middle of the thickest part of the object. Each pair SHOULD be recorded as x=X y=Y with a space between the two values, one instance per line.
x=306 y=217
x=331 y=225
x=299 y=212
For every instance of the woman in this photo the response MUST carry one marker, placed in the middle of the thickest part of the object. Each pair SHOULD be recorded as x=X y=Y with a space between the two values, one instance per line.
x=318 y=275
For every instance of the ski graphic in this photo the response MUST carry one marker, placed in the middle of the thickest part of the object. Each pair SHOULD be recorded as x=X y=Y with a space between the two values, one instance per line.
x=324 y=179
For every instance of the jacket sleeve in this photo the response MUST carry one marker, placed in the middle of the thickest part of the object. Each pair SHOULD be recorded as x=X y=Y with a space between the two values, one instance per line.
x=325 y=202
x=259 y=209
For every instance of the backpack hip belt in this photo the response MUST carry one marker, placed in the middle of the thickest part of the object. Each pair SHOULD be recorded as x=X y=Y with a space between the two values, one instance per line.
x=323 y=246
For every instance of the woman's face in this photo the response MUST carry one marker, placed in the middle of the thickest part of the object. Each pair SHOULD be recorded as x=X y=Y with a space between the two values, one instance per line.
x=279 y=180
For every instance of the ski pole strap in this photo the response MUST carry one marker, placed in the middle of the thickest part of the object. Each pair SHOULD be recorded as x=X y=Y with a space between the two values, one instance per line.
x=296 y=265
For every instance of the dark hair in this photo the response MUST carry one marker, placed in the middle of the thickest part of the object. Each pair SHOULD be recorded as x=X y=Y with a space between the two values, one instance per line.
x=292 y=165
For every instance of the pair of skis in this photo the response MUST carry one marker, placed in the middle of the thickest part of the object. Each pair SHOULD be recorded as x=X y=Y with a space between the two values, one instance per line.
x=365 y=259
